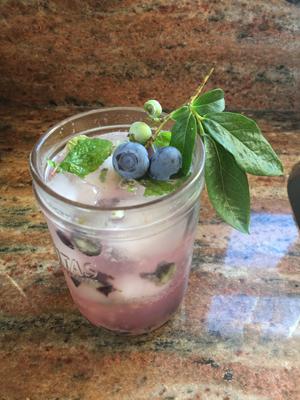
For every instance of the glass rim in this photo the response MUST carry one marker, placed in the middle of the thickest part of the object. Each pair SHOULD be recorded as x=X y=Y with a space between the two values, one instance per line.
x=42 y=184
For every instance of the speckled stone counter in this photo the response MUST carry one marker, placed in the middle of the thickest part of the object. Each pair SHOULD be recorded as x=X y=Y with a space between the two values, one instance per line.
x=127 y=51
x=235 y=337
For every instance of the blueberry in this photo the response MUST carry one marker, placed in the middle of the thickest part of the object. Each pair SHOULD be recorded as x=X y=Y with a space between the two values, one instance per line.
x=89 y=247
x=104 y=278
x=153 y=108
x=164 y=163
x=164 y=272
x=66 y=241
x=106 y=287
x=140 y=131
x=106 y=290
x=130 y=160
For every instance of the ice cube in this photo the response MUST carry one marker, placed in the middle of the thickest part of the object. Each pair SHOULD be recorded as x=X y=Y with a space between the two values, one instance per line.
x=62 y=185
x=111 y=178
x=113 y=186
x=114 y=255
x=74 y=188
x=151 y=245
x=131 y=286
x=91 y=294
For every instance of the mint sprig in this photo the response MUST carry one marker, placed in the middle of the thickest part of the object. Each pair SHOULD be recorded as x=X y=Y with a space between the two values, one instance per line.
x=160 y=188
x=103 y=174
x=85 y=155
x=234 y=146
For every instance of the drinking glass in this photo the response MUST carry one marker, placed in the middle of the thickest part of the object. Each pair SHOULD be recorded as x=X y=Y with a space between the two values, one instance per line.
x=126 y=267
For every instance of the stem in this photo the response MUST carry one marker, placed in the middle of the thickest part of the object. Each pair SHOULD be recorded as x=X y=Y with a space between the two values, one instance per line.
x=199 y=120
x=153 y=137
x=201 y=86
x=52 y=173
x=168 y=117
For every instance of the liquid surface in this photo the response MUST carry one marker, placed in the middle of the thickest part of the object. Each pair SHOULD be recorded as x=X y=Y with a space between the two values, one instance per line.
x=131 y=283
x=103 y=187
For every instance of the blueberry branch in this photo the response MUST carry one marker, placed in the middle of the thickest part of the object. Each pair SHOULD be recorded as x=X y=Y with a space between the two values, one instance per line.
x=169 y=116
x=199 y=122
x=157 y=130
x=201 y=86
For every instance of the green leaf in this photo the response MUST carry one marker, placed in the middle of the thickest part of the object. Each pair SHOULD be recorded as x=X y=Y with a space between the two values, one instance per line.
x=86 y=155
x=163 y=139
x=244 y=140
x=52 y=164
x=183 y=138
x=72 y=142
x=180 y=113
x=103 y=174
x=130 y=185
x=227 y=186
x=212 y=101
x=160 y=188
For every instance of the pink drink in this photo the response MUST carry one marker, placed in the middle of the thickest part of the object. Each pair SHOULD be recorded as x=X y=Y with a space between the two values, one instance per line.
x=126 y=257
x=120 y=291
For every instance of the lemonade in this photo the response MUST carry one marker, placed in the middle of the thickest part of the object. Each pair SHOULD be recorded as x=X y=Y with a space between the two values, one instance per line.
x=124 y=247
x=130 y=286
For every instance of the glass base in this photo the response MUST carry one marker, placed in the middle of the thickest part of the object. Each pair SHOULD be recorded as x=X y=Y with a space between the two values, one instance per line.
x=131 y=332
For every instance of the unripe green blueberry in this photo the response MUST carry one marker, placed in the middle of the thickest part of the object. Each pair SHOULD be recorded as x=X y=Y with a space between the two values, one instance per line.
x=153 y=108
x=140 y=131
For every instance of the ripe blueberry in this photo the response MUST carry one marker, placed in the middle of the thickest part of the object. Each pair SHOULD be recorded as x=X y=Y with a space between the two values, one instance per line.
x=130 y=160
x=164 y=163
x=89 y=247
x=65 y=240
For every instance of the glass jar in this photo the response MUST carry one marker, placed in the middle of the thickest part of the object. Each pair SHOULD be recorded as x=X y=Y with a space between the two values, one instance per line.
x=127 y=267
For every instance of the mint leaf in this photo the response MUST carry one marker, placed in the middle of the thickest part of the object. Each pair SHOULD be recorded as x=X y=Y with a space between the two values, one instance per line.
x=227 y=186
x=180 y=113
x=212 y=101
x=52 y=164
x=183 y=138
x=102 y=175
x=160 y=188
x=129 y=184
x=163 y=139
x=244 y=140
x=72 y=142
x=86 y=155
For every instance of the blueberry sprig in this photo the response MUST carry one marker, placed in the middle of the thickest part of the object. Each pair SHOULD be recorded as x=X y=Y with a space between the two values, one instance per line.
x=141 y=156
x=234 y=146
x=161 y=160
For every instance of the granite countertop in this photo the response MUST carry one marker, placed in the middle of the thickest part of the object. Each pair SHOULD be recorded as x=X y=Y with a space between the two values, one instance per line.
x=235 y=337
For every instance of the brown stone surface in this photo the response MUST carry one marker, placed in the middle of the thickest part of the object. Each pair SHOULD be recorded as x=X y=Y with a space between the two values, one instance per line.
x=122 y=52
x=235 y=337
